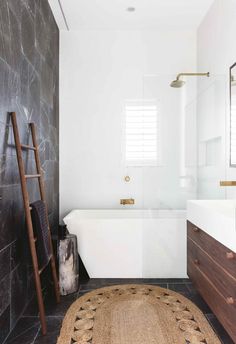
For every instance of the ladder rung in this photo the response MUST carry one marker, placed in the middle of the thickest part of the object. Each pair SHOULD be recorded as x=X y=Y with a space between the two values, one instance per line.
x=27 y=147
x=27 y=176
x=44 y=267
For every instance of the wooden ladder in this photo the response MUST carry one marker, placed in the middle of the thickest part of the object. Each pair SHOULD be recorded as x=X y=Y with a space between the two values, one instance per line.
x=32 y=239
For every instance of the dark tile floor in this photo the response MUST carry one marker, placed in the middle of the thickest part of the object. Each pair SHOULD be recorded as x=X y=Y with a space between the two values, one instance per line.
x=27 y=330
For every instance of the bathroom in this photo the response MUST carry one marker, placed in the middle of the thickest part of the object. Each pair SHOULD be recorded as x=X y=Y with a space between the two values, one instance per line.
x=133 y=107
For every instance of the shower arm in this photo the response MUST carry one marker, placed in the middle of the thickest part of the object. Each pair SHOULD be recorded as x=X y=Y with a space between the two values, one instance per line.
x=192 y=74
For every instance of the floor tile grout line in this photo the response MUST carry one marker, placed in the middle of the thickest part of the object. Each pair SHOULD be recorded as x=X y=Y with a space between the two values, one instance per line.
x=55 y=316
x=20 y=316
x=36 y=335
x=30 y=328
x=47 y=316
x=214 y=329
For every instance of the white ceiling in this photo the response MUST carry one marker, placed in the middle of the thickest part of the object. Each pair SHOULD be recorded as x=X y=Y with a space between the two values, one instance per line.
x=112 y=14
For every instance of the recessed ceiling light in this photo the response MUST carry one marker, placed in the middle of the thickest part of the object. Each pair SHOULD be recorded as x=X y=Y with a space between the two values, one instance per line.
x=131 y=9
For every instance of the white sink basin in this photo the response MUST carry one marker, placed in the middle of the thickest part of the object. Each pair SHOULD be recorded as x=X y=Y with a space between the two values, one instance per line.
x=215 y=217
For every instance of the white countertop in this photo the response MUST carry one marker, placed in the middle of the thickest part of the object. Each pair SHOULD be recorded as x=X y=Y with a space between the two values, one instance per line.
x=217 y=218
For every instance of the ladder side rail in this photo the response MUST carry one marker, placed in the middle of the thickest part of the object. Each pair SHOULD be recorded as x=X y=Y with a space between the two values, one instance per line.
x=43 y=197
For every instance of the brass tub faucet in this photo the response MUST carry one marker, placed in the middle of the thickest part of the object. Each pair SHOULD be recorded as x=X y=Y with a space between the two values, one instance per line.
x=125 y=201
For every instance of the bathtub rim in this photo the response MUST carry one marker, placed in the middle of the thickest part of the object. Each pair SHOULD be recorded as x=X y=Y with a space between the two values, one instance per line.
x=122 y=214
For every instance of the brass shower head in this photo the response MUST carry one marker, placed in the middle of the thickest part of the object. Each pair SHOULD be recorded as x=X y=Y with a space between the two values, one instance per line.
x=179 y=83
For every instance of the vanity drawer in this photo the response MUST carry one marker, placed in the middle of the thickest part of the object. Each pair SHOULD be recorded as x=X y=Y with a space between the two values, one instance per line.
x=225 y=313
x=218 y=252
x=222 y=280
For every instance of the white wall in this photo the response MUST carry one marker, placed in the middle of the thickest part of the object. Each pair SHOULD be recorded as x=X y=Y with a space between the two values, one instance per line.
x=216 y=52
x=99 y=70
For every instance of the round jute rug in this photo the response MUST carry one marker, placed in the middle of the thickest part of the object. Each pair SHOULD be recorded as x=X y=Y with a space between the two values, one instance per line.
x=135 y=314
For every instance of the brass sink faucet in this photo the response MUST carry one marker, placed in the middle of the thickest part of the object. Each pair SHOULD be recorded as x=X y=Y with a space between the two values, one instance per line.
x=227 y=183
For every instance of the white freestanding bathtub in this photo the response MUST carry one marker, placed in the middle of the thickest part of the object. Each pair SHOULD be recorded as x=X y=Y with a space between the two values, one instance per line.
x=131 y=243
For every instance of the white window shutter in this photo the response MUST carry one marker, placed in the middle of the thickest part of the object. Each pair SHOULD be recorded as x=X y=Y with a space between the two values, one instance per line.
x=142 y=133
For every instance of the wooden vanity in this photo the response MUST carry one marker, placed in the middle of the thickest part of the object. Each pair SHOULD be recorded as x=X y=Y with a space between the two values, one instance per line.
x=212 y=268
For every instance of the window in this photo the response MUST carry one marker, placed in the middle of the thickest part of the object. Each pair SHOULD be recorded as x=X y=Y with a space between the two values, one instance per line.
x=142 y=133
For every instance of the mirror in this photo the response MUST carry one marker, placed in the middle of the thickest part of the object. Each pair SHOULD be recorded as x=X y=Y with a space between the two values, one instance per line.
x=233 y=115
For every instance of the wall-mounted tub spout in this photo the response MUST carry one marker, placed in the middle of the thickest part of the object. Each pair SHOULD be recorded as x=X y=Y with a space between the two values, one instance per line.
x=125 y=201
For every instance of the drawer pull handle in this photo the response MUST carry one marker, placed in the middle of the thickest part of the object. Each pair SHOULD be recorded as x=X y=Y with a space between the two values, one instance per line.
x=230 y=255
x=196 y=229
x=196 y=262
x=230 y=301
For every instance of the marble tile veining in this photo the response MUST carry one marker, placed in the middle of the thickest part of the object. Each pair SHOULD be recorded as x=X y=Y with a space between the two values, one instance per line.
x=29 y=64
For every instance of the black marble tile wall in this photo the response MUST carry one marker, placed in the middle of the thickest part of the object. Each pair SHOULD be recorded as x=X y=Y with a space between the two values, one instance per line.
x=29 y=75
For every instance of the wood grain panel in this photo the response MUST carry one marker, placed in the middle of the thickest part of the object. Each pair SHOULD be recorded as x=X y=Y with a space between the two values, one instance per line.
x=219 y=253
x=222 y=280
x=225 y=313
